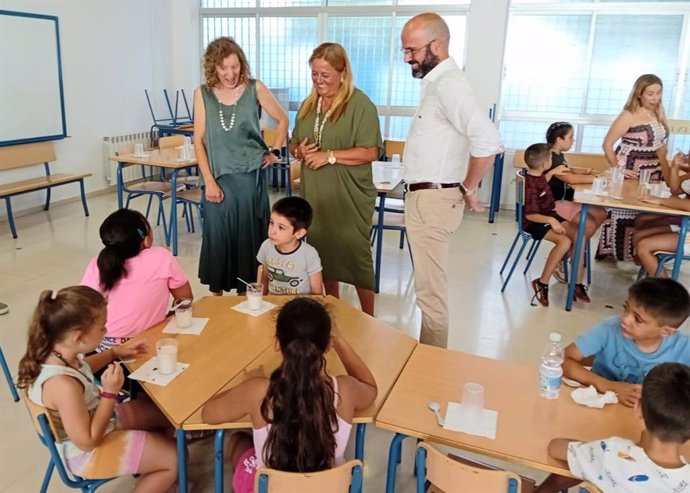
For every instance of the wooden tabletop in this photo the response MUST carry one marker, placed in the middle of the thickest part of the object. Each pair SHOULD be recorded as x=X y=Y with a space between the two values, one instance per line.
x=162 y=158
x=383 y=348
x=628 y=201
x=228 y=343
x=526 y=421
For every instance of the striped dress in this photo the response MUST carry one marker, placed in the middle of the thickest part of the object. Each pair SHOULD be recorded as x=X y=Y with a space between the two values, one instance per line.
x=636 y=152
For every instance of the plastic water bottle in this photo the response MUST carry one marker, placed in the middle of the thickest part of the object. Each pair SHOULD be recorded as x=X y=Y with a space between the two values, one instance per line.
x=550 y=371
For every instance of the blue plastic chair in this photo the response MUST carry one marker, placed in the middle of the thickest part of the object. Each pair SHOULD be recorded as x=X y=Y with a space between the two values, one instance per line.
x=664 y=258
x=346 y=478
x=527 y=238
x=450 y=475
x=8 y=377
x=45 y=430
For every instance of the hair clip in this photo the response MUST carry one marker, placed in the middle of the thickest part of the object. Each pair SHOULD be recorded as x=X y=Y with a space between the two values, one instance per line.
x=53 y=295
x=141 y=233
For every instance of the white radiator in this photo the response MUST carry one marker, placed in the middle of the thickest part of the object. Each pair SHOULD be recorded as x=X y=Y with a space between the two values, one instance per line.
x=124 y=144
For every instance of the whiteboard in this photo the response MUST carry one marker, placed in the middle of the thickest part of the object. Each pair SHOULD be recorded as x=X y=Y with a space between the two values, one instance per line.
x=32 y=107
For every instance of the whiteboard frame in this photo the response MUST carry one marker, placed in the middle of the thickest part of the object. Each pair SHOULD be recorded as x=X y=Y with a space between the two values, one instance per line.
x=63 y=134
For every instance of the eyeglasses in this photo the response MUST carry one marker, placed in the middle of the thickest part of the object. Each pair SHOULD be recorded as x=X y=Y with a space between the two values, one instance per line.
x=413 y=51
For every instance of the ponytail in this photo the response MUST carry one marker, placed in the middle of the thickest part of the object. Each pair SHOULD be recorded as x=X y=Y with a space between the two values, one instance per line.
x=122 y=233
x=300 y=407
x=57 y=313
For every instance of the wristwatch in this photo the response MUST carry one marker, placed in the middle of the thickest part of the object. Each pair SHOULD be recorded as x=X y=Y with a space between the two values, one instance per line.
x=275 y=152
x=465 y=191
x=331 y=157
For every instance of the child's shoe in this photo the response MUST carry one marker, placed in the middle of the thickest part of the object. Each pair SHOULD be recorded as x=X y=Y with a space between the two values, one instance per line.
x=559 y=273
x=541 y=293
x=581 y=293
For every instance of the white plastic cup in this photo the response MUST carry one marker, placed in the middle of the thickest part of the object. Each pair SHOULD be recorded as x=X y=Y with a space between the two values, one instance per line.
x=656 y=189
x=472 y=403
x=643 y=190
x=598 y=185
x=616 y=189
x=166 y=350
x=255 y=293
x=617 y=174
x=183 y=314
x=187 y=142
x=645 y=175
x=395 y=159
x=138 y=149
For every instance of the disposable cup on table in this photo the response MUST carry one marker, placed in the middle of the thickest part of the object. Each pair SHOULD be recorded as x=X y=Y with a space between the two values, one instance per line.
x=166 y=350
x=645 y=176
x=255 y=293
x=183 y=314
x=472 y=403
x=138 y=149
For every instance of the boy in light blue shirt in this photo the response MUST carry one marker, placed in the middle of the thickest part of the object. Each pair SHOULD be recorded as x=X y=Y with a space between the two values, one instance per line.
x=622 y=349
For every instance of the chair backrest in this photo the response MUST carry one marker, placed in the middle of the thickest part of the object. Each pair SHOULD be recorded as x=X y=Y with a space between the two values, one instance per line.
x=341 y=479
x=26 y=155
x=450 y=475
x=391 y=147
x=270 y=135
x=597 y=162
x=171 y=141
x=35 y=411
x=519 y=159
x=587 y=487
x=295 y=172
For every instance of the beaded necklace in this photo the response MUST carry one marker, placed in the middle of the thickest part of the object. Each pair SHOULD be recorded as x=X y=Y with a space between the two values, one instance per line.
x=649 y=114
x=318 y=124
x=234 y=110
x=61 y=358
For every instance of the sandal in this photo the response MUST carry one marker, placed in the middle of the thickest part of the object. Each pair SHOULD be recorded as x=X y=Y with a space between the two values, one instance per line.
x=581 y=293
x=541 y=293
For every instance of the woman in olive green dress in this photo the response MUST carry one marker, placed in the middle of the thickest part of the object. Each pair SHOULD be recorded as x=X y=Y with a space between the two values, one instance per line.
x=232 y=154
x=337 y=136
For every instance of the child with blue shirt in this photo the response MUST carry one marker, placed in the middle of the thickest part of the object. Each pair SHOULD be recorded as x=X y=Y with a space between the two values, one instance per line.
x=290 y=266
x=652 y=465
x=622 y=349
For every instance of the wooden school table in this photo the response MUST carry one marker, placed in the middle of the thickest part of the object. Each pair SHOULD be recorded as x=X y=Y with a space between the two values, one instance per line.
x=228 y=343
x=526 y=421
x=383 y=348
x=387 y=177
x=628 y=201
x=167 y=158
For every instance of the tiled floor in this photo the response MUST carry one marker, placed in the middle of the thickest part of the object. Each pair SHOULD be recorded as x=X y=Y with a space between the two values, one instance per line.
x=53 y=249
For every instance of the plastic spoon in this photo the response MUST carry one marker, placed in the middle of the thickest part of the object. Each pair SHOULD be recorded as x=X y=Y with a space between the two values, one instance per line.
x=436 y=407
x=245 y=282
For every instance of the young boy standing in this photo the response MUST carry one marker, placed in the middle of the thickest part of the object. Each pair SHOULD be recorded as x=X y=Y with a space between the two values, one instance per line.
x=541 y=220
x=622 y=349
x=652 y=465
x=290 y=266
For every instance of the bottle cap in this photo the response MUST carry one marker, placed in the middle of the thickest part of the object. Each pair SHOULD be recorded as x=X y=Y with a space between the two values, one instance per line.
x=555 y=337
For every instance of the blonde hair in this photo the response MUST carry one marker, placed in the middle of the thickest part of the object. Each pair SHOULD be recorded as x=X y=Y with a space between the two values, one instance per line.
x=57 y=314
x=217 y=51
x=336 y=56
x=640 y=86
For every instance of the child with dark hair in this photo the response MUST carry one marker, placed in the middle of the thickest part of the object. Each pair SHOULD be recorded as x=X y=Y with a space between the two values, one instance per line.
x=652 y=465
x=136 y=277
x=290 y=265
x=98 y=438
x=301 y=417
x=541 y=220
x=622 y=349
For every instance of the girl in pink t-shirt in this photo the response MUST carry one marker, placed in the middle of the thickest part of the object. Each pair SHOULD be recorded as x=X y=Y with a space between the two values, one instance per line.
x=136 y=278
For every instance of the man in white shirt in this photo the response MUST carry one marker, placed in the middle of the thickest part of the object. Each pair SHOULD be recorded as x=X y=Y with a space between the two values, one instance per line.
x=450 y=147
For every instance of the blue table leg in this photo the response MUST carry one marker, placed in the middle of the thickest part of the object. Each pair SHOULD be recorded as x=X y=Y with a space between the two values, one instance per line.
x=394 y=456
x=359 y=441
x=496 y=182
x=576 y=259
x=218 y=459
x=379 y=240
x=680 y=248
x=181 y=461
x=120 y=185
x=173 y=211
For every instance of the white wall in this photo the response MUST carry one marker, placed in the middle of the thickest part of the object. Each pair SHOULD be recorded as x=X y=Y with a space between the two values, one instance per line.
x=111 y=52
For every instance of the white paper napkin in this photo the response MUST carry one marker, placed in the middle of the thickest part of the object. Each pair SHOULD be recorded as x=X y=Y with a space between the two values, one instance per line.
x=591 y=193
x=485 y=427
x=244 y=308
x=148 y=372
x=588 y=396
x=197 y=326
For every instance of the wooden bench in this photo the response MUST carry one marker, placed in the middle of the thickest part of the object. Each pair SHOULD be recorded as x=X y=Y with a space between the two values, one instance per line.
x=597 y=162
x=19 y=156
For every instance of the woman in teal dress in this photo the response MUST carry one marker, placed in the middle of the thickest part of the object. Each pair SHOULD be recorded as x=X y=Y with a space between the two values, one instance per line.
x=337 y=136
x=232 y=154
